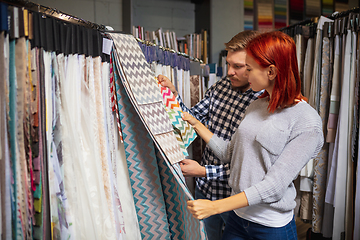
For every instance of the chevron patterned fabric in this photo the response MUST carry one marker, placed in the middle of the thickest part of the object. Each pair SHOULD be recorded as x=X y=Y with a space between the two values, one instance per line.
x=185 y=131
x=160 y=215
x=182 y=224
x=136 y=69
x=155 y=114
x=143 y=172
x=159 y=188
x=143 y=92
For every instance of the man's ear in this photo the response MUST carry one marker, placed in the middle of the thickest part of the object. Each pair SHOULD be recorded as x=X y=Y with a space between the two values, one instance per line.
x=272 y=73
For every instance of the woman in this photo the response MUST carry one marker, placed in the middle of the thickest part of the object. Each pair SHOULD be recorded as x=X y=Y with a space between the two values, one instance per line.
x=279 y=134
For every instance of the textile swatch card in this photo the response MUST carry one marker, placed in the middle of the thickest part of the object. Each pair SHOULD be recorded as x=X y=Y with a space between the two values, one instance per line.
x=145 y=95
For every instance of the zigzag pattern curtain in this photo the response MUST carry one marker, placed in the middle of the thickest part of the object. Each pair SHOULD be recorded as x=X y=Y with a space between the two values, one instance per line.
x=144 y=164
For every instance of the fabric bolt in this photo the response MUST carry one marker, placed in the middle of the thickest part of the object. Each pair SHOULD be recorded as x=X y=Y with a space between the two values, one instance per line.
x=342 y=155
x=349 y=205
x=333 y=122
x=356 y=234
x=4 y=145
x=102 y=137
x=248 y=15
x=320 y=162
x=308 y=67
x=20 y=64
x=265 y=15
x=195 y=89
x=109 y=127
x=280 y=9
x=58 y=199
x=113 y=98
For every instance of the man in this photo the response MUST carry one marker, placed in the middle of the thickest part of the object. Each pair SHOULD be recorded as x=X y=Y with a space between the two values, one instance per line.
x=221 y=109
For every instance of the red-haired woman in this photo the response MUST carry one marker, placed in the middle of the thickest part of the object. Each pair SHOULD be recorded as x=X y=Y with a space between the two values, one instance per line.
x=279 y=134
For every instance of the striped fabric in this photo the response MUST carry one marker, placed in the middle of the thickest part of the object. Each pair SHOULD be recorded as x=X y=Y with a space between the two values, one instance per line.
x=280 y=13
x=114 y=99
x=248 y=15
x=265 y=15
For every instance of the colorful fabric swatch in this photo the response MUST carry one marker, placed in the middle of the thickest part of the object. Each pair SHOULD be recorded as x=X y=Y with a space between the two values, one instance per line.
x=265 y=15
x=142 y=88
x=248 y=15
x=280 y=13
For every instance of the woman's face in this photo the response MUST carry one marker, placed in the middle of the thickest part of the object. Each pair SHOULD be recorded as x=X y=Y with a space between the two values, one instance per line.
x=258 y=76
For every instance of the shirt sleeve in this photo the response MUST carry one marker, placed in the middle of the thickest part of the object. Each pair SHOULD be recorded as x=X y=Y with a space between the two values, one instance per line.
x=201 y=110
x=218 y=172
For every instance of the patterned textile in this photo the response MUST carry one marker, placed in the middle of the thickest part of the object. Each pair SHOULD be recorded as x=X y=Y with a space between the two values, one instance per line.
x=280 y=10
x=313 y=8
x=144 y=93
x=248 y=15
x=320 y=162
x=157 y=220
x=114 y=106
x=265 y=15
x=143 y=172
x=327 y=7
x=222 y=109
x=182 y=129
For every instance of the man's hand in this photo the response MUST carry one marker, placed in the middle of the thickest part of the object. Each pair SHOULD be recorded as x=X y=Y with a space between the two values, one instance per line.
x=191 y=168
x=165 y=82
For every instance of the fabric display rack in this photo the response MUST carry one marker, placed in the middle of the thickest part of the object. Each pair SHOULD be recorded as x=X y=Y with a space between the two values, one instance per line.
x=328 y=59
x=89 y=141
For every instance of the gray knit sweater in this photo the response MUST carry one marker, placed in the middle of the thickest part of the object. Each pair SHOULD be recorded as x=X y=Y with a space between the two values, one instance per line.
x=268 y=150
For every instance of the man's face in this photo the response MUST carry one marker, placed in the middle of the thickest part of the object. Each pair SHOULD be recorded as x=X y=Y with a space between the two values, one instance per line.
x=236 y=70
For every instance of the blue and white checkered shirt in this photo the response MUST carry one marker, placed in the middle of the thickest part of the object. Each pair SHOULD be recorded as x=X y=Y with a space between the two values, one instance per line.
x=221 y=109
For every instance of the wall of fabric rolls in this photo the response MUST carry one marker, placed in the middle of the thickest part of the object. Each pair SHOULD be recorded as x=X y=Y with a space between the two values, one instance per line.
x=79 y=159
x=328 y=59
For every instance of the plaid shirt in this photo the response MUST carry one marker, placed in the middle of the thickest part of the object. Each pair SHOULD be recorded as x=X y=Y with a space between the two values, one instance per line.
x=221 y=109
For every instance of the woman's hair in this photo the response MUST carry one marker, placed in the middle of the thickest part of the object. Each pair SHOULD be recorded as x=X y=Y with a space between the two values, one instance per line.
x=240 y=40
x=278 y=49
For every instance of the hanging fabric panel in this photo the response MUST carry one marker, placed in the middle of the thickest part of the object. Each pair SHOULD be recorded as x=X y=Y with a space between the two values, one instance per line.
x=320 y=162
x=145 y=94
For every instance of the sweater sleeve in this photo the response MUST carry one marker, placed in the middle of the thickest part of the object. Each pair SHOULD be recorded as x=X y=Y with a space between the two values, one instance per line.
x=221 y=148
x=296 y=153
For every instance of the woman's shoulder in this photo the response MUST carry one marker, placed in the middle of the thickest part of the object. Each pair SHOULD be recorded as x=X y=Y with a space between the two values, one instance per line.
x=305 y=115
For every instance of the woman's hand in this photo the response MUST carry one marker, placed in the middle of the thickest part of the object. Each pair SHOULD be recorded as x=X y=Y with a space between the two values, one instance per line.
x=189 y=118
x=165 y=82
x=203 y=132
x=202 y=208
